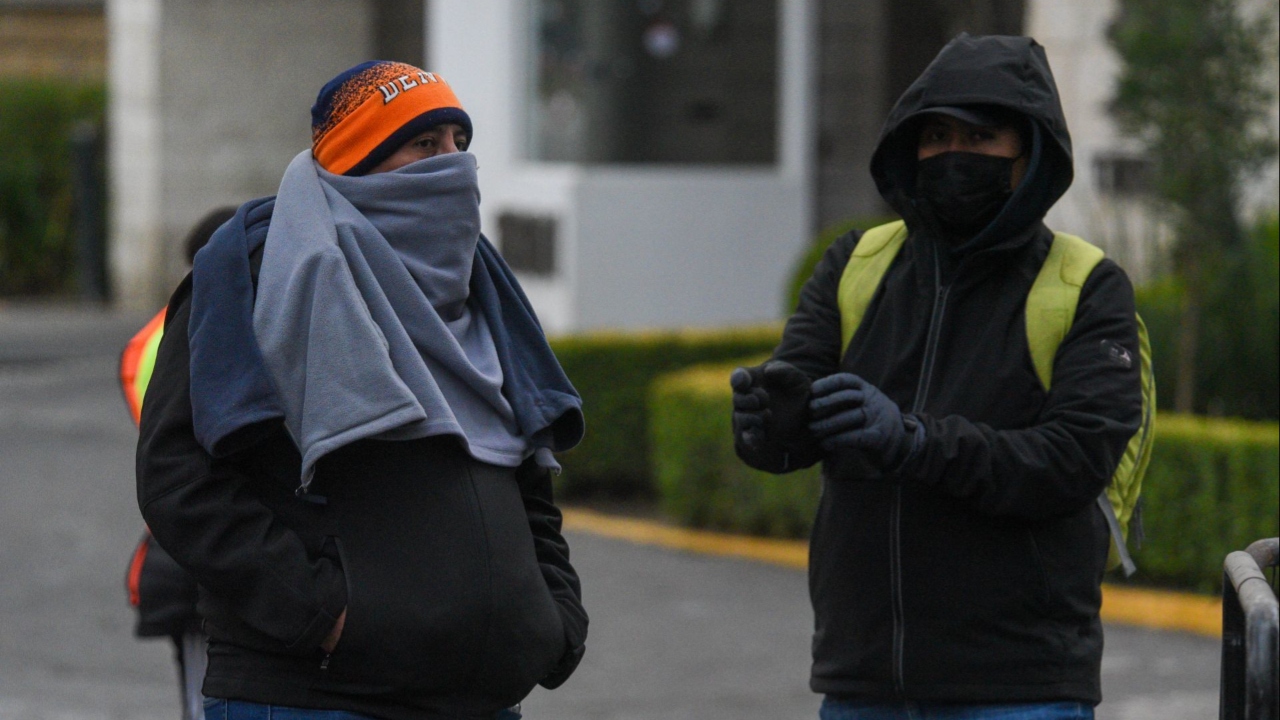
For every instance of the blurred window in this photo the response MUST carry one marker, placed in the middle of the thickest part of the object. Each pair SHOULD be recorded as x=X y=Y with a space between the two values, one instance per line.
x=1122 y=175
x=528 y=242
x=655 y=81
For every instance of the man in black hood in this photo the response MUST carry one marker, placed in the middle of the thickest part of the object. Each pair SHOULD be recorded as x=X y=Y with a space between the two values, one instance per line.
x=958 y=551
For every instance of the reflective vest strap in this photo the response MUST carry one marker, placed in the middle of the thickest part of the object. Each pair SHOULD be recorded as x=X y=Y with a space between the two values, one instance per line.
x=1051 y=303
x=137 y=361
x=868 y=264
x=133 y=579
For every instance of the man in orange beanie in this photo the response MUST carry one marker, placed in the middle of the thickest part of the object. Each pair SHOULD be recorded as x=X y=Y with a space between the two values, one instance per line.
x=349 y=430
x=379 y=116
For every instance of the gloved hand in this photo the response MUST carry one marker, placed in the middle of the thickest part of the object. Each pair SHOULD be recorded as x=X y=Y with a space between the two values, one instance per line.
x=849 y=413
x=750 y=407
x=771 y=408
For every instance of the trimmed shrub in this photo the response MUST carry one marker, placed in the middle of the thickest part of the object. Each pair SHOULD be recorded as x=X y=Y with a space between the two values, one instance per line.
x=1212 y=487
x=613 y=371
x=37 y=207
x=700 y=480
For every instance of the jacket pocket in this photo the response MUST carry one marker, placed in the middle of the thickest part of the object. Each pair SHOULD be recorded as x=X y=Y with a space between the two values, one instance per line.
x=415 y=559
x=527 y=634
x=398 y=633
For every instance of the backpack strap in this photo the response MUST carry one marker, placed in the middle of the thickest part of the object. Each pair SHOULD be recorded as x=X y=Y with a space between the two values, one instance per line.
x=1050 y=310
x=1124 y=491
x=1051 y=304
x=870 y=260
x=1118 y=546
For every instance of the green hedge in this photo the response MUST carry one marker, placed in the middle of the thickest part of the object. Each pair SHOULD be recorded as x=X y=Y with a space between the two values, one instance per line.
x=701 y=481
x=613 y=371
x=1212 y=486
x=37 y=211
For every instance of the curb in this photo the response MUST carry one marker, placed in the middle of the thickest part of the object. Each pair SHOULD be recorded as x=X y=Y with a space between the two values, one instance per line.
x=1153 y=609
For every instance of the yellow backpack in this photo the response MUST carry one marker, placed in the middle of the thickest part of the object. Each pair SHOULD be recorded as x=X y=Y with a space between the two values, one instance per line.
x=1050 y=310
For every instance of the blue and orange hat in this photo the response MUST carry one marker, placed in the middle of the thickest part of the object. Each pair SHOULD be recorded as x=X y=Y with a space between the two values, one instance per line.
x=366 y=113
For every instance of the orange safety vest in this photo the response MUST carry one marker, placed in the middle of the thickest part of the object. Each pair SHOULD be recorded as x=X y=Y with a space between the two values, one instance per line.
x=136 y=363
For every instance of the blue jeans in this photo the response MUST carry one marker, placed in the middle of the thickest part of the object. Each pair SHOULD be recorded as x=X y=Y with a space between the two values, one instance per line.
x=833 y=709
x=218 y=709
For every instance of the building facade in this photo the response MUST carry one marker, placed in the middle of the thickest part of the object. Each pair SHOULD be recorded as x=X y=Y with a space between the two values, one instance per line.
x=649 y=163
x=53 y=38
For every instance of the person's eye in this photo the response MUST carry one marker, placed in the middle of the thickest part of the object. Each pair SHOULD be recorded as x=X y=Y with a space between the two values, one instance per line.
x=462 y=143
x=982 y=136
x=425 y=143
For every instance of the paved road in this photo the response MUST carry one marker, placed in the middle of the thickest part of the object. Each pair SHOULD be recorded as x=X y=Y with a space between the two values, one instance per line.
x=673 y=635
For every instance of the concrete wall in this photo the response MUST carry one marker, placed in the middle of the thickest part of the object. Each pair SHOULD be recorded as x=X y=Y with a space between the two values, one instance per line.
x=639 y=245
x=209 y=102
x=700 y=248
x=851 y=108
x=134 y=152
x=1263 y=192
x=68 y=40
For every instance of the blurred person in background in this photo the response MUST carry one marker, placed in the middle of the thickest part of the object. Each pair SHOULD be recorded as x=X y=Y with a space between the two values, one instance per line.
x=959 y=548
x=348 y=434
x=164 y=594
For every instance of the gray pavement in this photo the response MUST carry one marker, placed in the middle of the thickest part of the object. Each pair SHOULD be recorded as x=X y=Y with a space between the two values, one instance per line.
x=673 y=635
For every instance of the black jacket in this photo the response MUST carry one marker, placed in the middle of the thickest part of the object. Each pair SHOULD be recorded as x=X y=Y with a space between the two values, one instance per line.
x=973 y=574
x=459 y=592
x=163 y=593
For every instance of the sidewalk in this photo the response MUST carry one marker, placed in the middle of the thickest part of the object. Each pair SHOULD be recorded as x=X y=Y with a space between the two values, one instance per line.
x=1147 y=608
x=680 y=633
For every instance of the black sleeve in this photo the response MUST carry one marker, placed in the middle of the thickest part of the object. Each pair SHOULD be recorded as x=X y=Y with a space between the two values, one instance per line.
x=811 y=339
x=1064 y=461
x=208 y=517
x=166 y=594
x=811 y=342
x=553 y=558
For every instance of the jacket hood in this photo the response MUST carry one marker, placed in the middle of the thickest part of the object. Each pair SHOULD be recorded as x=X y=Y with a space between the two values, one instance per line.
x=1007 y=72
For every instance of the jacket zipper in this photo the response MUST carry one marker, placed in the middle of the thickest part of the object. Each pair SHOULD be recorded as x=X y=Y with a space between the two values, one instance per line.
x=895 y=521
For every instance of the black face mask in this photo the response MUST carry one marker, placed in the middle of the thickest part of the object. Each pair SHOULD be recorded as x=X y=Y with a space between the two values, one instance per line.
x=963 y=192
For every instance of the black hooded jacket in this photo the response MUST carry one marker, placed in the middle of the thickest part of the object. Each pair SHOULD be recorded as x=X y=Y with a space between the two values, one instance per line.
x=972 y=574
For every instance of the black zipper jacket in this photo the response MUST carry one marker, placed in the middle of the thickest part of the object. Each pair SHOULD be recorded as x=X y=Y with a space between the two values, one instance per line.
x=459 y=592
x=973 y=574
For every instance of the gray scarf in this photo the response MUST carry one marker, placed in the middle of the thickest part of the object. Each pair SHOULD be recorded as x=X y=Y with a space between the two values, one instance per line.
x=364 y=314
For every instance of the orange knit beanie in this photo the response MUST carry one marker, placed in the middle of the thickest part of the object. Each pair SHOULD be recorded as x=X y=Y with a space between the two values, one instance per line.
x=366 y=113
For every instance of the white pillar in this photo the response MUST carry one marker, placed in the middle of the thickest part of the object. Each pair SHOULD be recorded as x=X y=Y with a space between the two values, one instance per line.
x=209 y=101
x=133 y=161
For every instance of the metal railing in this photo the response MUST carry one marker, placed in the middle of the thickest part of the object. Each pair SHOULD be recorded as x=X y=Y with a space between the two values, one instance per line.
x=1250 y=634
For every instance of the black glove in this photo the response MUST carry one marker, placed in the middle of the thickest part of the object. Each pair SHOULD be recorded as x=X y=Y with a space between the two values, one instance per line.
x=771 y=411
x=851 y=414
x=750 y=407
